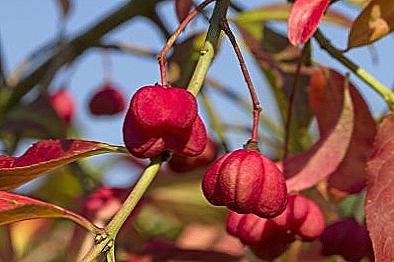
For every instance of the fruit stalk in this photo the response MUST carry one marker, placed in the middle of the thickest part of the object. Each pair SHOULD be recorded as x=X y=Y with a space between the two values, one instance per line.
x=162 y=55
x=248 y=80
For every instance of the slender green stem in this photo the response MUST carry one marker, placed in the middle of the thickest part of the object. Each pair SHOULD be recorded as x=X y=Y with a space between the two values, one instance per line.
x=214 y=120
x=111 y=254
x=116 y=223
x=381 y=89
x=96 y=250
x=207 y=52
x=138 y=191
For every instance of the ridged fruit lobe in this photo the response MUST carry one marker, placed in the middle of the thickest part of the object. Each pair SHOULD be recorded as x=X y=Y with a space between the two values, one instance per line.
x=246 y=182
x=181 y=164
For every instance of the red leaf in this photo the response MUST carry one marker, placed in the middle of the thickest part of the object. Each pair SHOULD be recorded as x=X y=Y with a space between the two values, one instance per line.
x=304 y=19
x=45 y=156
x=325 y=94
x=14 y=208
x=323 y=158
x=380 y=193
x=182 y=8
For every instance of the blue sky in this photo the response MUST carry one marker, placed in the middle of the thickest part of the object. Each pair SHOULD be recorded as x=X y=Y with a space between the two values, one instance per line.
x=25 y=25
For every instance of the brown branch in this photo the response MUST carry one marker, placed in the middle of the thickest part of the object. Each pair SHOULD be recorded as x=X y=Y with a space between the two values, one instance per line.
x=128 y=48
x=75 y=47
x=3 y=81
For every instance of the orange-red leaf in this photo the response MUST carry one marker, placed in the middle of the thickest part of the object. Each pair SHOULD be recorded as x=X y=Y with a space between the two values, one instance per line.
x=380 y=194
x=304 y=19
x=325 y=95
x=14 y=208
x=182 y=8
x=374 y=22
x=323 y=158
x=45 y=156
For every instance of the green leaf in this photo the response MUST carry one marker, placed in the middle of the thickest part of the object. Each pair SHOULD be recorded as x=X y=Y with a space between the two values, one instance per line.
x=14 y=208
x=280 y=12
x=45 y=156
x=374 y=22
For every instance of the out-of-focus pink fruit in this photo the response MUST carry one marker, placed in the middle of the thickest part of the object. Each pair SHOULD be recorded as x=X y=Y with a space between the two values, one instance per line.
x=108 y=100
x=63 y=103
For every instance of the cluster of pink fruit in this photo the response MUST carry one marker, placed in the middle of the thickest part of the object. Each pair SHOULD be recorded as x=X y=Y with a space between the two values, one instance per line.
x=166 y=118
x=108 y=100
x=262 y=214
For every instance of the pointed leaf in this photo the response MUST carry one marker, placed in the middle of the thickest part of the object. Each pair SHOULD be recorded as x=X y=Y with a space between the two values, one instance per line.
x=281 y=12
x=325 y=94
x=304 y=19
x=374 y=22
x=182 y=8
x=380 y=193
x=323 y=158
x=14 y=208
x=45 y=156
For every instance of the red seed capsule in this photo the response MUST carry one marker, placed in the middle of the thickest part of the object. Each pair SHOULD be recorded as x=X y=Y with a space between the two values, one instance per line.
x=182 y=164
x=347 y=238
x=63 y=103
x=302 y=217
x=265 y=238
x=246 y=182
x=108 y=100
x=157 y=108
x=163 y=118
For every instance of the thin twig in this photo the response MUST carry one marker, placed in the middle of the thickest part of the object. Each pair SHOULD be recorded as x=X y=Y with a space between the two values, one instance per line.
x=174 y=36
x=252 y=91
x=128 y=48
x=377 y=86
x=293 y=93
x=214 y=121
x=3 y=81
